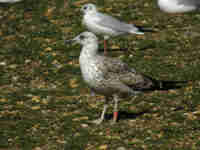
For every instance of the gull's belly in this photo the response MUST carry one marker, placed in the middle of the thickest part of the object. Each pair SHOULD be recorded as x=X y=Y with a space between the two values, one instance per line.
x=94 y=77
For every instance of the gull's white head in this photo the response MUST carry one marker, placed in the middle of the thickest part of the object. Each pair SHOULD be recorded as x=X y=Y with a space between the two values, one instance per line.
x=84 y=38
x=88 y=8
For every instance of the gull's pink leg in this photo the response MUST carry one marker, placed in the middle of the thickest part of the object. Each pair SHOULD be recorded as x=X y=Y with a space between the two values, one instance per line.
x=105 y=47
x=115 y=113
x=115 y=116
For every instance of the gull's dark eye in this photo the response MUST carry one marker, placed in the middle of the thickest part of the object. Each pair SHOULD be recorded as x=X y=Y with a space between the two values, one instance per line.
x=85 y=7
x=81 y=37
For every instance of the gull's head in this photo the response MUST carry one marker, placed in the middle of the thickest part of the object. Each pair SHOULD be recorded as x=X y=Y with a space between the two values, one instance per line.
x=88 y=8
x=84 y=38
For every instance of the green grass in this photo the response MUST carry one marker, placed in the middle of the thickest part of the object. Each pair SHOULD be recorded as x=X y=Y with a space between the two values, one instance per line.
x=45 y=105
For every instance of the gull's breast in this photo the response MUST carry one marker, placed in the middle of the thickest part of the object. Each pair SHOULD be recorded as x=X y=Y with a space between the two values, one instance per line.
x=91 y=71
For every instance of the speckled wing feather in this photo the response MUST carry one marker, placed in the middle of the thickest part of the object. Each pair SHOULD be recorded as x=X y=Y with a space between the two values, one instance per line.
x=118 y=70
x=111 y=22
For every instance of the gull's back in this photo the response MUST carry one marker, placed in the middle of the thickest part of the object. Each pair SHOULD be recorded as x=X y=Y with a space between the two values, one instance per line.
x=110 y=22
x=112 y=76
x=101 y=23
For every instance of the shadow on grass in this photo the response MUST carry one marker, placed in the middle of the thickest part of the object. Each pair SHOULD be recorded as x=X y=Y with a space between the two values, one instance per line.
x=125 y=115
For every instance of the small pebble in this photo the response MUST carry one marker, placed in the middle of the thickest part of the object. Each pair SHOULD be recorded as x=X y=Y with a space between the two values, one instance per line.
x=2 y=63
x=84 y=125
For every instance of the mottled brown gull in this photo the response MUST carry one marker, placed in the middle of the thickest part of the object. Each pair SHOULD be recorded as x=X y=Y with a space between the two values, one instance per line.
x=109 y=76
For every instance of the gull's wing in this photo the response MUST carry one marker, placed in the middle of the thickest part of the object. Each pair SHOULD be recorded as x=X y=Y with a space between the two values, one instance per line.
x=113 y=23
x=115 y=69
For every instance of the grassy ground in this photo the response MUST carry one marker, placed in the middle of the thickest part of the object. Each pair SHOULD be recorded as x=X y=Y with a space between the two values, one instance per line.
x=45 y=105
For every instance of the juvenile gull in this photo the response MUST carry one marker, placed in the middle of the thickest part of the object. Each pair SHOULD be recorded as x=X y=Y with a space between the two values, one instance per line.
x=178 y=6
x=109 y=76
x=106 y=25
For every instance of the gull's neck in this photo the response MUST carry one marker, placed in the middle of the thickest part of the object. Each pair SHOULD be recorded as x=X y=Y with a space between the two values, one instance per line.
x=89 y=49
x=91 y=12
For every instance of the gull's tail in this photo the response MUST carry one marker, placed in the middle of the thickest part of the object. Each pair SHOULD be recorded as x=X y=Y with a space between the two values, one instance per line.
x=140 y=30
x=149 y=84
x=167 y=85
x=136 y=30
x=163 y=85
x=144 y=29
